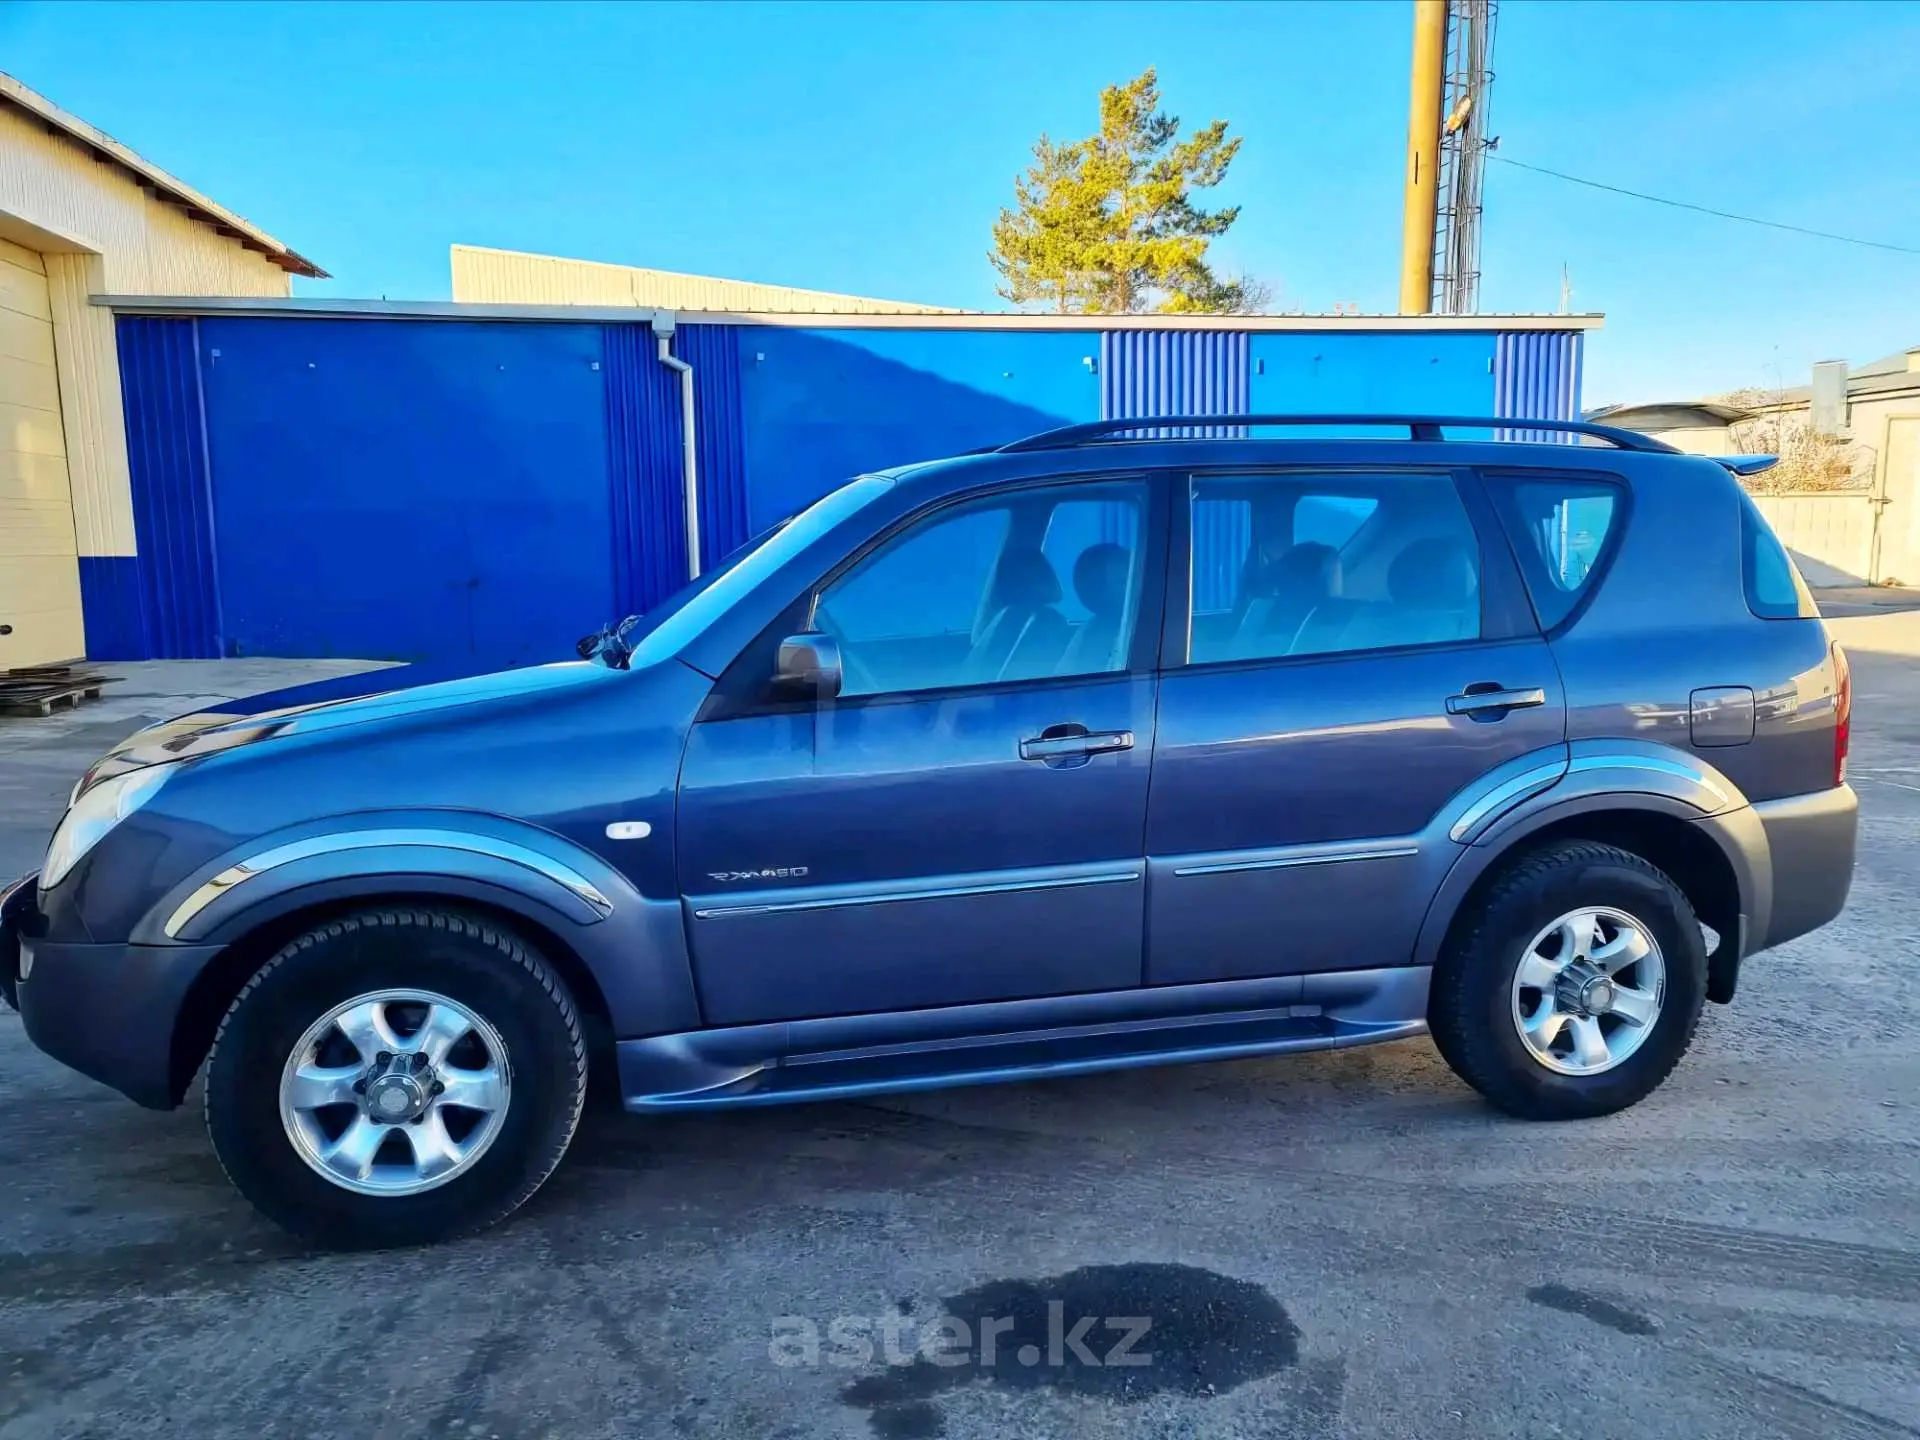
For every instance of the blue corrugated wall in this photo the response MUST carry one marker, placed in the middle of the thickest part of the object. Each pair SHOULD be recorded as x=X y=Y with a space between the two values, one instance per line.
x=408 y=490
x=1536 y=376
x=720 y=451
x=1372 y=372
x=648 y=533
x=819 y=406
x=1149 y=373
x=1173 y=372
x=485 y=491
x=164 y=600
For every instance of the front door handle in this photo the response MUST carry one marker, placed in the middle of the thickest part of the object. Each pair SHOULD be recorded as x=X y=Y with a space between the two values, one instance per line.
x=1062 y=747
x=1487 y=697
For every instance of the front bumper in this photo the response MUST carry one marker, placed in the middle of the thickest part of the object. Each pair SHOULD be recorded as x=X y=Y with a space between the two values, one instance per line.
x=108 y=1011
x=17 y=913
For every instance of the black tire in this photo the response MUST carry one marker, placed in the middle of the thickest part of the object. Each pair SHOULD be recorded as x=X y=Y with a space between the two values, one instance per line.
x=1471 y=1008
x=485 y=968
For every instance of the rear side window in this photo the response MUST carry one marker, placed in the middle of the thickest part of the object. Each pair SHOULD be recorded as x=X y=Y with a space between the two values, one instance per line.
x=1774 y=588
x=1293 y=563
x=1559 y=525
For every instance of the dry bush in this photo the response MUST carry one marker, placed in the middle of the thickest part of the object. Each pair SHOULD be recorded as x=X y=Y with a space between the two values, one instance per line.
x=1808 y=462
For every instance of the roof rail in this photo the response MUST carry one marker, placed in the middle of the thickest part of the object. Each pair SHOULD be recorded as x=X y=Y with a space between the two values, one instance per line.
x=1419 y=427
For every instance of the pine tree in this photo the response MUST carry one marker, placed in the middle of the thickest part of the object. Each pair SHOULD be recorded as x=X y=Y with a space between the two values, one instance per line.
x=1108 y=224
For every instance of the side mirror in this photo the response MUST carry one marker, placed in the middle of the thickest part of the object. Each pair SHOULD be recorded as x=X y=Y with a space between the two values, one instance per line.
x=809 y=664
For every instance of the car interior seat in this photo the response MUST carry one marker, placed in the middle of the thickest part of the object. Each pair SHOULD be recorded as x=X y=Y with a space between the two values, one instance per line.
x=1022 y=634
x=1100 y=580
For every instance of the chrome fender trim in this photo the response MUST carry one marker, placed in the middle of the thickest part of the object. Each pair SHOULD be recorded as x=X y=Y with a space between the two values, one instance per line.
x=1502 y=798
x=1693 y=775
x=244 y=870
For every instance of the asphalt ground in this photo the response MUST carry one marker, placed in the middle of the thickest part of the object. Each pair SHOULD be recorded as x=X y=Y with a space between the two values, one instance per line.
x=1345 y=1244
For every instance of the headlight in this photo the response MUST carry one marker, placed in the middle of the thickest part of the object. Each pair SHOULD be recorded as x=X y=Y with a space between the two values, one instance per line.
x=96 y=811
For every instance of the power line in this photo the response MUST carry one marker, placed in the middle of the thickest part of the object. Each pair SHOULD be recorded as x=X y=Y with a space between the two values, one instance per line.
x=1704 y=209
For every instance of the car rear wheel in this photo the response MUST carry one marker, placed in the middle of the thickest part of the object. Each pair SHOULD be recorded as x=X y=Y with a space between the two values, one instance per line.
x=396 y=1077
x=1573 y=986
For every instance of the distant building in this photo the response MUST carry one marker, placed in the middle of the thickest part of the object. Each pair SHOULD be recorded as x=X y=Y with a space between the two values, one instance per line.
x=1699 y=427
x=81 y=215
x=515 y=277
x=1851 y=402
x=1846 y=496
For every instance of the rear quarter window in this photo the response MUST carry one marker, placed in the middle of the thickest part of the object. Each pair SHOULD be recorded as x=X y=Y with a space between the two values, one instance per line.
x=1562 y=528
x=1774 y=588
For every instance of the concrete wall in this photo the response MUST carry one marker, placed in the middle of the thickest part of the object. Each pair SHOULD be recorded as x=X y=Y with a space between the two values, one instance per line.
x=1830 y=535
x=1869 y=535
x=97 y=232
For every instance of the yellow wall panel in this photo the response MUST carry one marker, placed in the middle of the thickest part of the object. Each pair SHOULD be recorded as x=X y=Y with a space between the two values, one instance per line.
x=24 y=291
x=33 y=477
x=32 y=383
x=36 y=432
x=113 y=238
x=35 y=528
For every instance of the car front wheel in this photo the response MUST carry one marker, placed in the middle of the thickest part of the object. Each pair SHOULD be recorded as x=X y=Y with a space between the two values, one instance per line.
x=1573 y=986
x=396 y=1077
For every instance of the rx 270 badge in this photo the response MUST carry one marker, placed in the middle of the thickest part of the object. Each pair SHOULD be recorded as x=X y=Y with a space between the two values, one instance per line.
x=782 y=872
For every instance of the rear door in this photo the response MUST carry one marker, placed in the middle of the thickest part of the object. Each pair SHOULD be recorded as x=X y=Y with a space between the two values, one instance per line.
x=1354 y=651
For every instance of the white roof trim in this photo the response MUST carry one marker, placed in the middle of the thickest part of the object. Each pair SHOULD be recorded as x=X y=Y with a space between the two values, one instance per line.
x=198 y=206
x=921 y=320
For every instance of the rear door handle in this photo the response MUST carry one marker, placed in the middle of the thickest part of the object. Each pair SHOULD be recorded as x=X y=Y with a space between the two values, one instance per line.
x=1055 y=747
x=1478 y=700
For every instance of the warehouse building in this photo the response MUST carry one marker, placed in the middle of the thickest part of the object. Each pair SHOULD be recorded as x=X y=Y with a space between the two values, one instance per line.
x=479 y=484
x=81 y=215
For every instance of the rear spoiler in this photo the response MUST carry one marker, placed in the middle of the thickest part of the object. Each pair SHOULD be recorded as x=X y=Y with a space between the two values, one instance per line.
x=1745 y=465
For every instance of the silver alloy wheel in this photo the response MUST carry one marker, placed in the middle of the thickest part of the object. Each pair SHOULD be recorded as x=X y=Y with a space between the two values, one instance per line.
x=1588 y=991
x=418 y=1060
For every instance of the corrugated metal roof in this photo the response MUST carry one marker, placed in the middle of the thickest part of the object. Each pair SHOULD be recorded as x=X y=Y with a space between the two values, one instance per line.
x=825 y=320
x=197 y=206
x=517 y=276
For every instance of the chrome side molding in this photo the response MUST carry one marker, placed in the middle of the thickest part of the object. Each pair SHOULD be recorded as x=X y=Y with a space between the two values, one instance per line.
x=1291 y=856
x=336 y=842
x=924 y=892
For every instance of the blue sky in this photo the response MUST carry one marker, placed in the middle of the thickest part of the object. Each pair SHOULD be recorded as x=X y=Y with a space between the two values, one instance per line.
x=868 y=147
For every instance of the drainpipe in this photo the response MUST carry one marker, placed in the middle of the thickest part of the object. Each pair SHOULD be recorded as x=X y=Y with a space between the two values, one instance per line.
x=689 y=463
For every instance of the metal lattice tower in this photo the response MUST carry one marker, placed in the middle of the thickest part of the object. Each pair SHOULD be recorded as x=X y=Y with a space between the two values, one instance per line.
x=1463 y=155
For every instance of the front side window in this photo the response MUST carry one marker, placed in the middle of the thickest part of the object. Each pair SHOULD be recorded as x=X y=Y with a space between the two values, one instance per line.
x=1027 y=585
x=668 y=628
x=1295 y=563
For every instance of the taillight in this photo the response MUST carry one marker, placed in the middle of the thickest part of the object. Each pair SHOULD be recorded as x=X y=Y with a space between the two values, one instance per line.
x=1842 y=713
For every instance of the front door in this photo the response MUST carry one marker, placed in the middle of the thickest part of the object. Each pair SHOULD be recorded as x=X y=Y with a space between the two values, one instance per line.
x=1342 y=631
x=965 y=821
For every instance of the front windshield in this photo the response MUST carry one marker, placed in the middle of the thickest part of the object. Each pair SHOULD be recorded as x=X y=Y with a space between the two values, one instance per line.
x=663 y=630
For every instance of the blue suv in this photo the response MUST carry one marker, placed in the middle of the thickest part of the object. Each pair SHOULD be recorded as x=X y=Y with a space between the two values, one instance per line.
x=1110 y=747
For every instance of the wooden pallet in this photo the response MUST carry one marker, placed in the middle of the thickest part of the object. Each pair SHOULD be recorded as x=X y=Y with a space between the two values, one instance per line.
x=39 y=690
x=43 y=700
